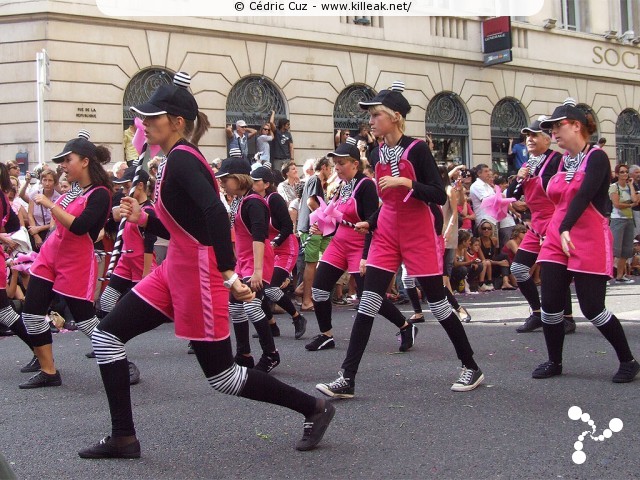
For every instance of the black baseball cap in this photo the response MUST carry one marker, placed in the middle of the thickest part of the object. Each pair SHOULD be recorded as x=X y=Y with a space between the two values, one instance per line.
x=81 y=145
x=129 y=175
x=391 y=98
x=234 y=166
x=346 y=149
x=262 y=173
x=172 y=99
x=567 y=110
x=535 y=126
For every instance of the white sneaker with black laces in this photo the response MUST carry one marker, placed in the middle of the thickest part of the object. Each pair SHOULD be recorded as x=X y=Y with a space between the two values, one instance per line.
x=469 y=379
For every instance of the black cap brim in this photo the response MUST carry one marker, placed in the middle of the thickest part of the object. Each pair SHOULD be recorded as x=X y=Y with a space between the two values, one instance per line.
x=548 y=123
x=60 y=157
x=148 y=110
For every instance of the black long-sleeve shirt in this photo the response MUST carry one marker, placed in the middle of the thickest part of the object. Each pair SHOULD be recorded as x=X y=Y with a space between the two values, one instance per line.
x=94 y=216
x=280 y=218
x=255 y=216
x=189 y=194
x=428 y=185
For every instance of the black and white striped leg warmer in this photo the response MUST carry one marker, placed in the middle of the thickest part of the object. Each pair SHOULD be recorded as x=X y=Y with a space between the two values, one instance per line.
x=109 y=298
x=319 y=295
x=8 y=316
x=274 y=294
x=520 y=271
x=88 y=326
x=370 y=303
x=35 y=324
x=107 y=347
x=441 y=309
x=602 y=318
x=238 y=315
x=254 y=311
x=552 y=318
x=231 y=381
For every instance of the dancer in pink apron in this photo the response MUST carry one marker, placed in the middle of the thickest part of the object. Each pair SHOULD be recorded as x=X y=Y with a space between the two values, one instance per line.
x=285 y=249
x=66 y=263
x=357 y=200
x=578 y=243
x=191 y=287
x=250 y=220
x=542 y=164
x=10 y=223
x=403 y=231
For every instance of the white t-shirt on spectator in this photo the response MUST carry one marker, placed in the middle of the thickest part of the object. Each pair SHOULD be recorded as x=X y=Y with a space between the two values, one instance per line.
x=477 y=192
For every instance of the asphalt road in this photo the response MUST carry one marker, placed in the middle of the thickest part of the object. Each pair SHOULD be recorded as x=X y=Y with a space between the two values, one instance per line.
x=403 y=423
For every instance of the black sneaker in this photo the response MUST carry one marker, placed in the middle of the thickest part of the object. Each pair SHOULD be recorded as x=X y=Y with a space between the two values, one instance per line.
x=300 y=326
x=315 y=426
x=407 y=336
x=190 y=350
x=107 y=449
x=320 y=342
x=627 y=372
x=41 y=379
x=244 y=361
x=339 y=388
x=530 y=324
x=275 y=331
x=569 y=325
x=134 y=373
x=468 y=380
x=32 y=366
x=547 y=370
x=91 y=354
x=268 y=362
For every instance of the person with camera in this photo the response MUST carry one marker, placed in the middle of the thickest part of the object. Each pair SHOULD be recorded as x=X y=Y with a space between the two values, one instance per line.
x=623 y=197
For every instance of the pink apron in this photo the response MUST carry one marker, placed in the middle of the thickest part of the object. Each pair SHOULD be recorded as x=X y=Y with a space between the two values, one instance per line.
x=131 y=264
x=405 y=232
x=541 y=209
x=187 y=287
x=590 y=235
x=67 y=260
x=3 y=255
x=287 y=253
x=244 y=246
x=346 y=247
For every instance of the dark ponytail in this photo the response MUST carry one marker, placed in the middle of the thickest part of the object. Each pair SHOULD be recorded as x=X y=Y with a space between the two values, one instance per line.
x=98 y=175
x=195 y=129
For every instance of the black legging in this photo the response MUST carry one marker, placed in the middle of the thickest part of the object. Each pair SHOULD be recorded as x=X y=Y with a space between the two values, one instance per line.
x=132 y=317
x=243 y=313
x=376 y=282
x=277 y=279
x=325 y=279
x=591 y=292
x=528 y=287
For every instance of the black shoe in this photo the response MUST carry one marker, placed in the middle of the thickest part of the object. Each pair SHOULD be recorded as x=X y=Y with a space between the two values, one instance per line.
x=275 y=331
x=32 y=366
x=341 y=387
x=42 y=379
x=134 y=374
x=468 y=380
x=547 y=370
x=91 y=354
x=320 y=342
x=407 y=336
x=315 y=426
x=268 y=362
x=190 y=349
x=70 y=325
x=530 y=324
x=107 y=449
x=244 y=361
x=53 y=328
x=5 y=331
x=627 y=372
x=300 y=326
x=569 y=325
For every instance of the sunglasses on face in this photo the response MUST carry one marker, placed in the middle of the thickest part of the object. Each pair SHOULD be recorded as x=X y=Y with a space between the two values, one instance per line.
x=486 y=228
x=559 y=123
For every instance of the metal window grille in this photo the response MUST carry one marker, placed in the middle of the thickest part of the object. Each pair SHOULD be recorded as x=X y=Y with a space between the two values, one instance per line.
x=628 y=137
x=252 y=99
x=507 y=119
x=347 y=114
x=140 y=89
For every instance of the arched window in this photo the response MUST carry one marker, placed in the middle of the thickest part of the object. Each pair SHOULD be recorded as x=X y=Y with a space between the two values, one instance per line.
x=447 y=123
x=252 y=99
x=140 y=89
x=347 y=114
x=587 y=109
x=507 y=119
x=628 y=137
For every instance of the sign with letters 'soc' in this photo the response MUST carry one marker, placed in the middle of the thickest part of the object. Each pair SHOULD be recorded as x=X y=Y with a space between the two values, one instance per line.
x=496 y=40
